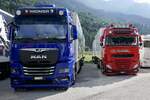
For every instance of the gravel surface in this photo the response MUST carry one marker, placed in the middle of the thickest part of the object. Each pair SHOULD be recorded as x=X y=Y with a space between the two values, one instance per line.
x=90 y=85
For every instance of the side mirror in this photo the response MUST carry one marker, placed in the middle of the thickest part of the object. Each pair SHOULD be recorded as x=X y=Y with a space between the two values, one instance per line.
x=101 y=44
x=74 y=32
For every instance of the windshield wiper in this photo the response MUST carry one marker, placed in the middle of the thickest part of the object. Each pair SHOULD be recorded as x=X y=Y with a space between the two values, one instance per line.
x=23 y=39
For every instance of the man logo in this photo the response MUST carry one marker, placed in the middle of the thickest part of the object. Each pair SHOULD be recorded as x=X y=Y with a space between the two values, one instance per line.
x=38 y=57
x=38 y=50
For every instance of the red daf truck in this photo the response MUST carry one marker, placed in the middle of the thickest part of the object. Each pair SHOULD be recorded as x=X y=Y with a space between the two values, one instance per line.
x=121 y=50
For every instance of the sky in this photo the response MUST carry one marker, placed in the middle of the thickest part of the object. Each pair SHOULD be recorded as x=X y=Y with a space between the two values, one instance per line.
x=138 y=1
x=141 y=1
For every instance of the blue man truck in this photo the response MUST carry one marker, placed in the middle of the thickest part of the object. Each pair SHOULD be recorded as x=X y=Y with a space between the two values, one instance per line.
x=47 y=46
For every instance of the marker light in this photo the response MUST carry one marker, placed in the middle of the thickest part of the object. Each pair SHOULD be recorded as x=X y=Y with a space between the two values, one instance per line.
x=136 y=66
x=110 y=32
x=18 y=12
x=61 y=12
x=64 y=70
x=52 y=10
x=108 y=66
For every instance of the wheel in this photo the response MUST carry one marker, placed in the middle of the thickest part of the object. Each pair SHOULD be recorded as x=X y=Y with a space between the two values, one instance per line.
x=103 y=69
x=61 y=88
x=2 y=75
x=5 y=71
x=74 y=77
x=20 y=89
x=98 y=66
x=78 y=67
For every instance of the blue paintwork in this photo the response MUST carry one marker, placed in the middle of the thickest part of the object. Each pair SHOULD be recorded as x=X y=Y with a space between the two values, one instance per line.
x=66 y=59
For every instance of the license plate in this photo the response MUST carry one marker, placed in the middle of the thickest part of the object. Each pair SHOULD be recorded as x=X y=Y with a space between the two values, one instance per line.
x=38 y=78
x=122 y=72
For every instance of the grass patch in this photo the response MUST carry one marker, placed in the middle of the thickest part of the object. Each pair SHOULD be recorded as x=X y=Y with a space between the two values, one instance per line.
x=88 y=57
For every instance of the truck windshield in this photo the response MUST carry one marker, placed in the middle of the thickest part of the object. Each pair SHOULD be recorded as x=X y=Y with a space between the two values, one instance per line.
x=121 y=41
x=40 y=27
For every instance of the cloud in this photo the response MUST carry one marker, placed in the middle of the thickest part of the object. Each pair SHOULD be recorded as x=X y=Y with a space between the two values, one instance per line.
x=142 y=1
x=107 y=0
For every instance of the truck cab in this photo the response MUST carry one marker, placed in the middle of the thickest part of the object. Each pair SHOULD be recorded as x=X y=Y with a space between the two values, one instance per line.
x=46 y=48
x=121 y=50
x=4 y=49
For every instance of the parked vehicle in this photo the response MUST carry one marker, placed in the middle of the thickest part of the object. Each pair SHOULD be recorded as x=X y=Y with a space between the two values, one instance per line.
x=97 y=49
x=146 y=55
x=4 y=49
x=47 y=45
x=121 y=47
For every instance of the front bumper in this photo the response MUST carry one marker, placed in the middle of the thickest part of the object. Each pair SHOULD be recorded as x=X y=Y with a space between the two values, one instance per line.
x=122 y=67
x=20 y=80
x=46 y=82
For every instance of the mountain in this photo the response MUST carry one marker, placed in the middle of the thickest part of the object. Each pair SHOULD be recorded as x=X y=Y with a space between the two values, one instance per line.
x=79 y=6
x=91 y=19
x=132 y=7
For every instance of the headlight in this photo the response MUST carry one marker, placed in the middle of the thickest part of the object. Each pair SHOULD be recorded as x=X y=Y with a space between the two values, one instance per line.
x=135 y=66
x=52 y=11
x=108 y=66
x=64 y=70
x=18 y=12
x=61 y=12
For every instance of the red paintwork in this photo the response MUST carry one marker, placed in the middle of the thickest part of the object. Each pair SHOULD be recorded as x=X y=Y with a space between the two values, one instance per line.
x=120 y=65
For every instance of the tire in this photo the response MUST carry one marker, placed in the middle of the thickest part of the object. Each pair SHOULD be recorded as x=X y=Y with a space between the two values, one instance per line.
x=61 y=89
x=103 y=69
x=5 y=71
x=20 y=89
x=78 y=67
x=98 y=66
x=74 y=76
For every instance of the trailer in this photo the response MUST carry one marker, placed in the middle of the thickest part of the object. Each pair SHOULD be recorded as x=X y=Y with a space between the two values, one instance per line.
x=97 y=49
x=47 y=46
x=7 y=16
x=4 y=49
x=5 y=19
x=146 y=55
x=121 y=50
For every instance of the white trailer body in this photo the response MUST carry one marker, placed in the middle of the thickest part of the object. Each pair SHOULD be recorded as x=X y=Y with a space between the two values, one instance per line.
x=4 y=48
x=97 y=49
x=79 y=43
x=146 y=54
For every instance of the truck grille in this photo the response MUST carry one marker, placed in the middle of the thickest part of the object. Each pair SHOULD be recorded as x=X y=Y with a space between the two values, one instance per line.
x=122 y=55
x=38 y=71
x=46 y=57
x=123 y=65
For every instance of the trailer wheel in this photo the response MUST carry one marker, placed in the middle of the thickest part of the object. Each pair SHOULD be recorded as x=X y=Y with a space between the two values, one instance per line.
x=74 y=76
x=98 y=66
x=103 y=69
x=5 y=71
x=78 y=67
